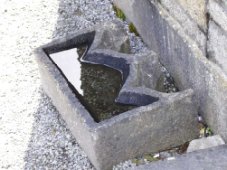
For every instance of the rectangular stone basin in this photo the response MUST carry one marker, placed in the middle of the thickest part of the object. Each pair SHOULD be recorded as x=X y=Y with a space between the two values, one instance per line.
x=150 y=128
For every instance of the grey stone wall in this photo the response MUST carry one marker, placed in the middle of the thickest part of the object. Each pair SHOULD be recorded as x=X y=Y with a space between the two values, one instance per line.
x=182 y=11
x=196 y=9
x=217 y=35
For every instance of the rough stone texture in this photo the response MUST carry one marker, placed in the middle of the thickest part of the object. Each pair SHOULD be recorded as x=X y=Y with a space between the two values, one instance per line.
x=218 y=12
x=177 y=13
x=197 y=11
x=166 y=123
x=209 y=159
x=217 y=45
x=189 y=25
x=205 y=143
x=217 y=35
x=184 y=60
x=111 y=36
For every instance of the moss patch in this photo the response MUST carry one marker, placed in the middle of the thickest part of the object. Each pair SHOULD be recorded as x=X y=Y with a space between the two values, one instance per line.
x=133 y=29
x=150 y=158
x=119 y=13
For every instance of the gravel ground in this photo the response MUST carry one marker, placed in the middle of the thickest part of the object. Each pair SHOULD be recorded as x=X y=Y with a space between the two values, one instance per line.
x=32 y=133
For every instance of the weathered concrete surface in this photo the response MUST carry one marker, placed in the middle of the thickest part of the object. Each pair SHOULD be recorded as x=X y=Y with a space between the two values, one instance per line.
x=146 y=129
x=197 y=11
x=184 y=60
x=166 y=123
x=209 y=159
x=217 y=45
x=205 y=143
x=217 y=35
x=111 y=36
x=189 y=24
x=218 y=12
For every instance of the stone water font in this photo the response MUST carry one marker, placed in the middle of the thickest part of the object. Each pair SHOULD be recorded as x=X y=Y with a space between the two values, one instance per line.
x=145 y=119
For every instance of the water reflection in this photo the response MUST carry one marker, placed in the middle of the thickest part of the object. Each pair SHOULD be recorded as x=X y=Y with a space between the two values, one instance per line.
x=96 y=86
x=68 y=62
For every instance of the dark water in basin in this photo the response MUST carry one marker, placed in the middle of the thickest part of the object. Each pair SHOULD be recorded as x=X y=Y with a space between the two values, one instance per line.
x=96 y=86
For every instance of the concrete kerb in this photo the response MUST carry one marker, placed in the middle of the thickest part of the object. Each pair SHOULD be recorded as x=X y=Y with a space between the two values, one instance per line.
x=212 y=158
x=169 y=122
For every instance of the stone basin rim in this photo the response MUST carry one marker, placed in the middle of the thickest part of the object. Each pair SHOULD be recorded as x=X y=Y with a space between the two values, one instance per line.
x=89 y=34
x=109 y=142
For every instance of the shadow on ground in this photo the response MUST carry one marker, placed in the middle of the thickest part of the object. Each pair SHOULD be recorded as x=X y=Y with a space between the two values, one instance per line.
x=52 y=145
